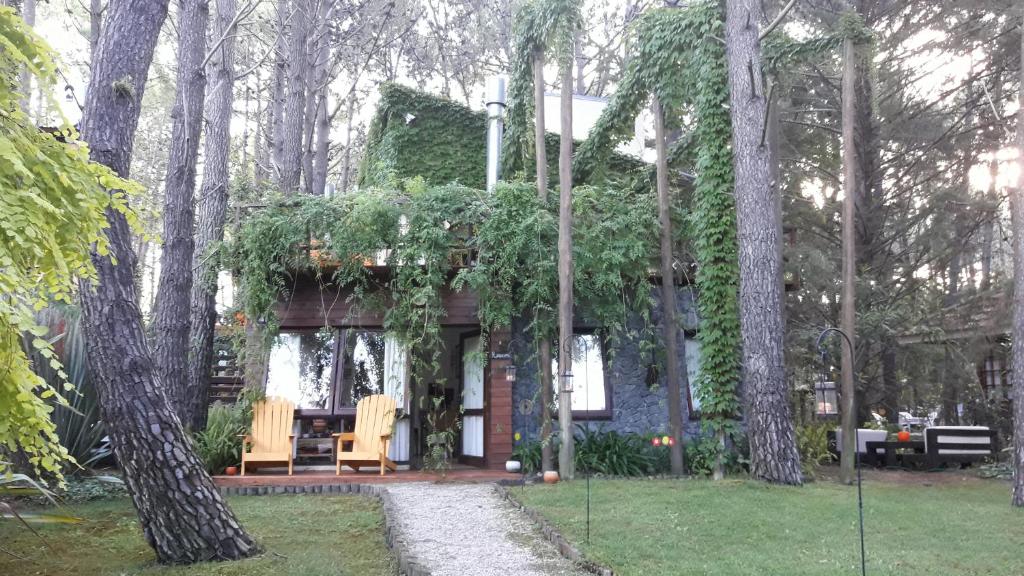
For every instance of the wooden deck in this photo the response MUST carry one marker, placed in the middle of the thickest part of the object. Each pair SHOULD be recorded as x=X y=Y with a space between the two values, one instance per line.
x=318 y=477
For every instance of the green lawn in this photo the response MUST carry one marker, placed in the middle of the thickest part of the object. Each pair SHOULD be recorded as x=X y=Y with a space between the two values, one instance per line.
x=301 y=535
x=739 y=527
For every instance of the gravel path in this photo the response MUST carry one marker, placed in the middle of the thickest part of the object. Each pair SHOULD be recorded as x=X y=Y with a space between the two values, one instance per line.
x=468 y=530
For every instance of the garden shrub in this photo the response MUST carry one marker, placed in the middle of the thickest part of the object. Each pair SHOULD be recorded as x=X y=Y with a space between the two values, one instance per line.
x=812 y=442
x=219 y=444
x=528 y=453
x=603 y=452
x=702 y=454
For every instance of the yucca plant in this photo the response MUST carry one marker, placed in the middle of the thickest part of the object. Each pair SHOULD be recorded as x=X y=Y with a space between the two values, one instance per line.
x=79 y=426
x=613 y=454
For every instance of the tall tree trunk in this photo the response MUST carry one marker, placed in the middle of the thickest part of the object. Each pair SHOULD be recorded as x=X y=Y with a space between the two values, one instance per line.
x=256 y=355
x=1017 y=372
x=95 y=26
x=213 y=205
x=848 y=312
x=295 y=99
x=773 y=453
x=566 y=464
x=669 y=324
x=28 y=14
x=890 y=380
x=182 y=514
x=544 y=342
x=277 y=92
x=988 y=225
x=321 y=139
x=581 y=62
x=346 y=165
x=263 y=140
x=171 y=307
x=321 y=155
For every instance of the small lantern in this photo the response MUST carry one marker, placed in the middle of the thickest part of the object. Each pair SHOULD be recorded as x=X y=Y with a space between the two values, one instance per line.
x=510 y=372
x=826 y=401
x=566 y=379
x=903 y=436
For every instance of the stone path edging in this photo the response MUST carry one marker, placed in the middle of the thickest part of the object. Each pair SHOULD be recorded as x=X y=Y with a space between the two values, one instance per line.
x=408 y=564
x=564 y=547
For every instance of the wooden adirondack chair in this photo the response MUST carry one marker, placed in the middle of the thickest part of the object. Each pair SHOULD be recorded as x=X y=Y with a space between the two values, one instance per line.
x=375 y=417
x=271 y=438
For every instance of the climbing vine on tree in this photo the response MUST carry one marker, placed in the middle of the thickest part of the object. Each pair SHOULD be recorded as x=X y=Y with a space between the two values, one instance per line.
x=676 y=56
x=52 y=211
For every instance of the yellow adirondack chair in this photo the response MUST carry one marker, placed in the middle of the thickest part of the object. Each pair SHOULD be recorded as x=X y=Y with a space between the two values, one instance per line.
x=375 y=417
x=271 y=438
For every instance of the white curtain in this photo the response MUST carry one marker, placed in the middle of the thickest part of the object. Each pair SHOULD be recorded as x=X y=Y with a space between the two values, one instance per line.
x=396 y=370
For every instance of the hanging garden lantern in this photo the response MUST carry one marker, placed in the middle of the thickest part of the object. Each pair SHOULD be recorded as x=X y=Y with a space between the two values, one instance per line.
x=826 y=400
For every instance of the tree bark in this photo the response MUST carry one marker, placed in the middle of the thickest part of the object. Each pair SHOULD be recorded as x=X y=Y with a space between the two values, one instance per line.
x=669 y=324
x=848 y=312
x=295 y=99
x=1017 y=373
x=566 y=464
x=182 y=514
x=213 y=205
x=773 y=453
x=320 y=136
x=28 y=14
x=346 y=164
x=544 y=342
x=171 y=305
x=95 y=26
x=277 y=93
x=321 y=154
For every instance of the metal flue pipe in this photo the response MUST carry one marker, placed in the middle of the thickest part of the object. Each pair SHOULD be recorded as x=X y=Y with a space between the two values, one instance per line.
x=495 y=100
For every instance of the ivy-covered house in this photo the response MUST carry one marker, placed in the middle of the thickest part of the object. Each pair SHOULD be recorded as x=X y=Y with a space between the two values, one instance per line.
x=426 y=287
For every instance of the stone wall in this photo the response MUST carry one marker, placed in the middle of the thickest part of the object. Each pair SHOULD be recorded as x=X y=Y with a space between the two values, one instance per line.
x=636 y=406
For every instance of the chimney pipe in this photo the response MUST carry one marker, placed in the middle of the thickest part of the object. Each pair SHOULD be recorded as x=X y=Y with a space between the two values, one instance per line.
x=495 y=100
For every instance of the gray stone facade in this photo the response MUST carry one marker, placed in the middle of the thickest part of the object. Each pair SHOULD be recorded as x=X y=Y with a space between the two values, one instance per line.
x=636 y=406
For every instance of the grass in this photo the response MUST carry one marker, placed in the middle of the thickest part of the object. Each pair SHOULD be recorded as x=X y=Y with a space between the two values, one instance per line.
x=301 y=536
x=738 y=527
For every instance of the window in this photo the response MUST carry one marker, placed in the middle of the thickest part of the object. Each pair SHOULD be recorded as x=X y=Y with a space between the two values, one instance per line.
x=590 y=393
x=691 y=347
x=373 y=363
x=362 y=365
x=301 y=369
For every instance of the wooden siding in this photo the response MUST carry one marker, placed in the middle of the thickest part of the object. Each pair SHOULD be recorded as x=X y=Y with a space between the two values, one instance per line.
x=310 y=305
x=498 y=404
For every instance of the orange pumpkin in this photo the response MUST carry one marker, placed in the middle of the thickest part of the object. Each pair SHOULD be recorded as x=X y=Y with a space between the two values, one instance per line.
x=903 y=436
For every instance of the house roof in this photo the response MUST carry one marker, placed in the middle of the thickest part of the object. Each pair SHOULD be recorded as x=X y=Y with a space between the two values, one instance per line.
x=418 y=134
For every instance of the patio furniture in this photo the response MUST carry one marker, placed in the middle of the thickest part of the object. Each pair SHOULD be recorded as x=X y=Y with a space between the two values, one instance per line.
x=271 y=438
x=864 y=435
x=375 y=417
x=892 y=454
x=954 y=445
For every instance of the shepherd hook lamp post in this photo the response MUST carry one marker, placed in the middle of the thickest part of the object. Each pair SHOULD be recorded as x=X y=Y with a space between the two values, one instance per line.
x=856 y=431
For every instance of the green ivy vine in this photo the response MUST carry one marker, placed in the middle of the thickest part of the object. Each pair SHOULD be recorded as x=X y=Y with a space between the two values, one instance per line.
x=451 y=237
x=676 y=56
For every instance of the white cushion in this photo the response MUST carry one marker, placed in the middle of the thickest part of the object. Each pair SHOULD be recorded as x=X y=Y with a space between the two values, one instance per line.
x=864 y=435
